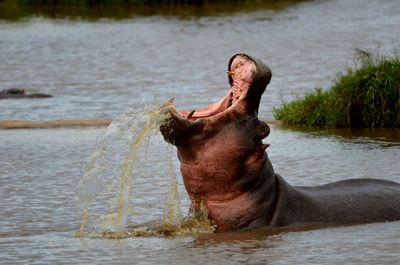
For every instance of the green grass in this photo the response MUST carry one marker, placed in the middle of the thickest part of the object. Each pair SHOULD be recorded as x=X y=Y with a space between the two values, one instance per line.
x=365 y=97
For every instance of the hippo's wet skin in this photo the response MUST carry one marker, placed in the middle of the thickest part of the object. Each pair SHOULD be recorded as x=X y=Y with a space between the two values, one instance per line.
x=225 y=166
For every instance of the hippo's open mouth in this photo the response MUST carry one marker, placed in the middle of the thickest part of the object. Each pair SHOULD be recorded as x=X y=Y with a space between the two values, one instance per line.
x=248 y=79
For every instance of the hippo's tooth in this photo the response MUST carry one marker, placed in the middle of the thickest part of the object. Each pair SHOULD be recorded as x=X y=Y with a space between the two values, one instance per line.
x=190 y=114
x=230 y=73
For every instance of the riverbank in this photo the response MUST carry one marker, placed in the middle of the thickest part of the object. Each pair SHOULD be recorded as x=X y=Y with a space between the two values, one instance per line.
x=364 y=97
x=123 y=9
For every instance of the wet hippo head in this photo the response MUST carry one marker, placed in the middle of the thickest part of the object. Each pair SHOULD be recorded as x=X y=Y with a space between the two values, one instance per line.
x=223 y=160
x=248 y=78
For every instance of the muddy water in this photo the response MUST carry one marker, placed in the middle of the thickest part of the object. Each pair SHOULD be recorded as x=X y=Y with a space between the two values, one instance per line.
x=100 y=69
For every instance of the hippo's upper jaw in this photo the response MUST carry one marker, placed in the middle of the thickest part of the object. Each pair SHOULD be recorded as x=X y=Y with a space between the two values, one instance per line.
x=248 y=78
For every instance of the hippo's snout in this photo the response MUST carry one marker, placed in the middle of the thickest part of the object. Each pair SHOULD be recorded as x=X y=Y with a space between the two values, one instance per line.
x=177 y=130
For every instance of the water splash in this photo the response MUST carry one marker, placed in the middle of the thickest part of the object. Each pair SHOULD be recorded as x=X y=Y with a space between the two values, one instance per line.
x=172 y=210
x=105 y=191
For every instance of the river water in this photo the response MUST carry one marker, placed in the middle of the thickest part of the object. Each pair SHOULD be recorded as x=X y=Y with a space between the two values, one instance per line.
x=99 y=69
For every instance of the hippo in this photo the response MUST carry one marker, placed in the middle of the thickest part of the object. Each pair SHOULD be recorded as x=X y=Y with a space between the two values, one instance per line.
x=20 y=93
x=225 y=167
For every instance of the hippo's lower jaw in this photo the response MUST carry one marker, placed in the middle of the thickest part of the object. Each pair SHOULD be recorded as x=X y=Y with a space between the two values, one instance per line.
x=224 y=165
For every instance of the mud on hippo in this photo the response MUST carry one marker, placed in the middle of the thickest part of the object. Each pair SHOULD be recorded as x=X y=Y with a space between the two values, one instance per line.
x=224 y=164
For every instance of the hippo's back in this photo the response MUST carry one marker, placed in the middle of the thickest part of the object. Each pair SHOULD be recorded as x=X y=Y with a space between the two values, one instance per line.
x=350 y=201
x=357 y=200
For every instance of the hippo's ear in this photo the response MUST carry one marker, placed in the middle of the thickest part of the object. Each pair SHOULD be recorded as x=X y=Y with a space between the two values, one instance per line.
x=178 y=131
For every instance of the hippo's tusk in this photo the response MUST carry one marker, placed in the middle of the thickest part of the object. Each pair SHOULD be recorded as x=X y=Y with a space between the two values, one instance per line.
x=190 y=114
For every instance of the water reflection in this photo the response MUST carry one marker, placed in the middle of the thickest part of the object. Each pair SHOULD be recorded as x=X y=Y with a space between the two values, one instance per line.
x=379 y=137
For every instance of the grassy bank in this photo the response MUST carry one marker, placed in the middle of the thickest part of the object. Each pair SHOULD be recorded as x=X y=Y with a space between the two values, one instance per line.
x=365 y=97
x=129 y=2
x=122 y=9
x=109 y=2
